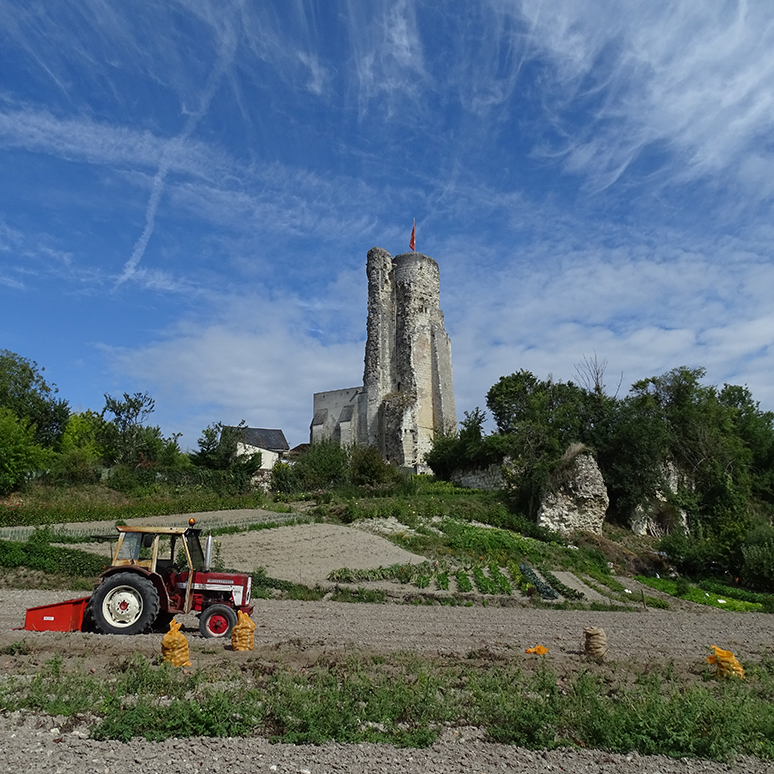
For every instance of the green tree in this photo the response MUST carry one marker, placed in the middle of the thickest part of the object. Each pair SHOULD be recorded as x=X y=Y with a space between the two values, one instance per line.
x=544 y=415
x=368 y=467
x=80 y=456
x=82 y=433
x=126 y=440
x=539 y=420
x=20 y=455
x=219 y=449
x=26 y=393
x=755 y=428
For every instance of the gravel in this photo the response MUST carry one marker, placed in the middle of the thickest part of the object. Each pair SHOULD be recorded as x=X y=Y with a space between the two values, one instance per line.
x=33 y=742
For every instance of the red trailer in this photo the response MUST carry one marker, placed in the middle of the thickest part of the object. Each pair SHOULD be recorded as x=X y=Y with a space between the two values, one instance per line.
x=59 y=617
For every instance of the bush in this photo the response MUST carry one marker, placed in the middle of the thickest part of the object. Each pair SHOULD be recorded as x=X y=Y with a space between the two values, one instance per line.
x=682 y=587
x=74 y=467
x=691 y=555
x=323 y=465
x=758 y=558
x=20 y=456
x=368 y=467
x=283 y=478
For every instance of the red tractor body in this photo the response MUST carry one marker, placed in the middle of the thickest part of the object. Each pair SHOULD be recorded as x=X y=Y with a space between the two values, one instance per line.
x=155 y=574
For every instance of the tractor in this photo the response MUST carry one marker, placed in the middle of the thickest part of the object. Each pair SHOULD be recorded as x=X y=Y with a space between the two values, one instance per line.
x=159 y=572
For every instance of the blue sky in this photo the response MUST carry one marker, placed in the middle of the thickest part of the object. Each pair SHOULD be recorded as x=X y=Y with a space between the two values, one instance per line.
x=189 y=190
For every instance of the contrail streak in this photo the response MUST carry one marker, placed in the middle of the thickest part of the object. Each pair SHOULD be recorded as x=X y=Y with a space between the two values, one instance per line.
x=225 y=58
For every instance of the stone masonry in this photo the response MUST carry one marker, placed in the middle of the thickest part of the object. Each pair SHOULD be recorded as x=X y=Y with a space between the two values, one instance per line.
x=407 y=393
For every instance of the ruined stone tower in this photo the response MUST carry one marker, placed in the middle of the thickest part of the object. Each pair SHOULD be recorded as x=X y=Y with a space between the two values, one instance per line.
x=407 y=393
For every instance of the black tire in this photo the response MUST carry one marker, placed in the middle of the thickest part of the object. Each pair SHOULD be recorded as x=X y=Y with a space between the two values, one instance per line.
x=162 y=622
x=125 y=603
x=217 y=621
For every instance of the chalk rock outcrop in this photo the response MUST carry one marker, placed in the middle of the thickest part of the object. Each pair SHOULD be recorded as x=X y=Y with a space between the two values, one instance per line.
x=578 y=500
x=659 y=515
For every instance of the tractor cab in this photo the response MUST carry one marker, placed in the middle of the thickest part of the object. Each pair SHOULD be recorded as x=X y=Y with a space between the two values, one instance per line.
x=162 y=549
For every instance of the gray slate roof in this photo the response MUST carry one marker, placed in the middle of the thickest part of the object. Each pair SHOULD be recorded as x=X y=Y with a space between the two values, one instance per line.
x=261 y=438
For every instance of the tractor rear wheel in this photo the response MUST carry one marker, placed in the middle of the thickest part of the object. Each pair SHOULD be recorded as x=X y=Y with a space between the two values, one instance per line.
x=217 y=621
x=124 y=603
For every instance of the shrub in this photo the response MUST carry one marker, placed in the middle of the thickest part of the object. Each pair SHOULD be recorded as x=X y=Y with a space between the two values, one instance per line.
x=758 y=558
x=682 y=587
x=368 y=467
x=283 y=478
x=20 y=455
x=323 y=465
x=74 y=467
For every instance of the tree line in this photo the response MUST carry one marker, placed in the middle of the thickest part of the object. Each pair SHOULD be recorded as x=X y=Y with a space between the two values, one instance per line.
x=41 y=436
x=718 y=439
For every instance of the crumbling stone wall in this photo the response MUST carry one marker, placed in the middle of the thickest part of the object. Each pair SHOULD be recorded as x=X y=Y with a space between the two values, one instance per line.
x=490 y=478
x=408 y=391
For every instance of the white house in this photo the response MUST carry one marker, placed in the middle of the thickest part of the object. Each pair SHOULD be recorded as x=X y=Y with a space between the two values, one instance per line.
x=270 y=443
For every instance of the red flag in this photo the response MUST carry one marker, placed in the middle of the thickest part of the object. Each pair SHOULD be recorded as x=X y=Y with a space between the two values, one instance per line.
x=413 y=240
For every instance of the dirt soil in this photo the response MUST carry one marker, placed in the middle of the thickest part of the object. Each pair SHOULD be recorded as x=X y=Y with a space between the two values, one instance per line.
x=299 y=633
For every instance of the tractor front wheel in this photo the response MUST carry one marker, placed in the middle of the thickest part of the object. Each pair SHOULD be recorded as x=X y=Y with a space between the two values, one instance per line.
x=217 y=621
x=124 y=603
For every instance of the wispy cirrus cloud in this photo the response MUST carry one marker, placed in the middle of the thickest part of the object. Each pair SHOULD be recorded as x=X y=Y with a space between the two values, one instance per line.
x=387 y=51
x=88 y=141
x=225 y=52
x=644 y=305
x=696 y=80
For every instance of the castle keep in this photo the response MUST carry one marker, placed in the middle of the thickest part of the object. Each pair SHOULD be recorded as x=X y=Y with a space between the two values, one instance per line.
x=407 y=393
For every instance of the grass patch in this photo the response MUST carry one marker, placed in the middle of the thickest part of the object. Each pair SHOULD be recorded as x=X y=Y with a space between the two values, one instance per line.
x=21 y=648
x=42 y=504
x=699 y=596
x=37 y=554
x=407 y=701
x=766 y=600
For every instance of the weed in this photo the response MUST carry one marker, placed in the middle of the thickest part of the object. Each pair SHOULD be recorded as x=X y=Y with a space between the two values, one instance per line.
x=405 y=700
x=21 y=648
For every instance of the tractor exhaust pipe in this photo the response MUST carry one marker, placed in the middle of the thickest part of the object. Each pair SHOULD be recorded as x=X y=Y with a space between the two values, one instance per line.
x=208 y=547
